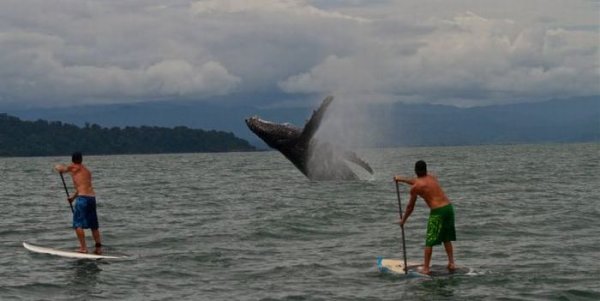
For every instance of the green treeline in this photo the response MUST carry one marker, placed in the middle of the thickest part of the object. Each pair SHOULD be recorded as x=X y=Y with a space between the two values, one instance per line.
x=43 y=138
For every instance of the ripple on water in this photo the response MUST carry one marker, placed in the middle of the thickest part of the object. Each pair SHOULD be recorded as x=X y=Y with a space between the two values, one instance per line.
x=249 y=226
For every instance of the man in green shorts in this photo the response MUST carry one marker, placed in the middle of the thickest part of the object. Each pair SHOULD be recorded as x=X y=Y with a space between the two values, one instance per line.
x=440 y=227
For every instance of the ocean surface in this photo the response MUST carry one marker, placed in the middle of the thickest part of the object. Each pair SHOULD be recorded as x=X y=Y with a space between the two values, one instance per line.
x=249 y=226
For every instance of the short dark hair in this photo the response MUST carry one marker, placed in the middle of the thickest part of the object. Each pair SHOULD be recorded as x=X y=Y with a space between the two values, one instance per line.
x=76 y=157
x=421 y=168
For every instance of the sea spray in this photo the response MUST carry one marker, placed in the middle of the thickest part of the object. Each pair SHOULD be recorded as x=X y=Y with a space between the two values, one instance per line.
x=351 y=124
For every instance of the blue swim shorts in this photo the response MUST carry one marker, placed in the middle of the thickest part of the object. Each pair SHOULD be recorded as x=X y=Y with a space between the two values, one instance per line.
x=84 y=215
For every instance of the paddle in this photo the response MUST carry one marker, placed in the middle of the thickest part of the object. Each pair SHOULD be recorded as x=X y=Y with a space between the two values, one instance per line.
x=402 y=227
x=67 y=191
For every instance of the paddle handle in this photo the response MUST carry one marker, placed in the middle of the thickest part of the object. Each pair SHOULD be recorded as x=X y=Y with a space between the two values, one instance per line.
x=402 y=227
x=66 y=190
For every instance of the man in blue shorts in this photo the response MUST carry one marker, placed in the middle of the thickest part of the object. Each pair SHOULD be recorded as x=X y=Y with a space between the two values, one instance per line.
x=440 y=226
x=84 y=215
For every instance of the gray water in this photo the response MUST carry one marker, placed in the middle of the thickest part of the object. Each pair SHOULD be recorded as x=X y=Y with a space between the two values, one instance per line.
x=249 y=226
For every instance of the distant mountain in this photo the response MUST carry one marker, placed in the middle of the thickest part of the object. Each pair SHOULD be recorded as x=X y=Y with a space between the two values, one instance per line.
x=42 y=138
x=205 y=116
x=568 y=120
x=572 y=120
x=167 y=114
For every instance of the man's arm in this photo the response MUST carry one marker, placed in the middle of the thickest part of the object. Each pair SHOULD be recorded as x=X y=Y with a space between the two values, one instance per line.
x=404 y=180
x=409 y=207
x=72 y=198
x=61 y=168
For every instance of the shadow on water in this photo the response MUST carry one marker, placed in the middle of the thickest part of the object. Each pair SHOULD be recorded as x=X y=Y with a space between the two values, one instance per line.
x=442 y=286
x=438 y=288
x=84 y=279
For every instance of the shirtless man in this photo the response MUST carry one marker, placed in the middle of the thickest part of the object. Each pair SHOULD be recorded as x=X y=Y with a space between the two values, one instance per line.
x=84 y=215
x=440 y=227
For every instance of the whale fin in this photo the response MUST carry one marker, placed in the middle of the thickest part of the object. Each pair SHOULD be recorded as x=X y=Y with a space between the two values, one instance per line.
x=353 y=157
x=313 y=124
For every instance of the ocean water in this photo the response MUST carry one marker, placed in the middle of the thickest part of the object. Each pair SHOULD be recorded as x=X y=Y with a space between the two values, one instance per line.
x=249 y=226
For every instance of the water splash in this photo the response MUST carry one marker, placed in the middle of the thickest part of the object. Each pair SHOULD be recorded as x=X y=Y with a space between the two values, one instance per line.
x=350 y=124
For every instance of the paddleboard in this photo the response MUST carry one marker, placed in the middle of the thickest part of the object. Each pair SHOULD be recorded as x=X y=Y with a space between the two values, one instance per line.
x=396 y=267
x=68 y=254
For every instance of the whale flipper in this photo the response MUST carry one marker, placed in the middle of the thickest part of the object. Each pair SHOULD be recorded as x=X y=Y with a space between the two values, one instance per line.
x=312 y=125
x=353 y=157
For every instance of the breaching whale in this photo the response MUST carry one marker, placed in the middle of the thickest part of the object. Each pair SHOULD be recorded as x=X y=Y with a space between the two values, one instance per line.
x=316 y=159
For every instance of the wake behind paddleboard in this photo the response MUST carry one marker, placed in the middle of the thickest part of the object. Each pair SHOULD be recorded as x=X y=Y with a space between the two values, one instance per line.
x=68 y=254
x=396 y=267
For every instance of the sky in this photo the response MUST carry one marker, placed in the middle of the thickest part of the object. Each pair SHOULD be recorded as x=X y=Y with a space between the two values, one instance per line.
x=464 y=53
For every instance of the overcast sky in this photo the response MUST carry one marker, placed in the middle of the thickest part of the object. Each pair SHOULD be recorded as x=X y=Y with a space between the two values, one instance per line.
x=461 y=52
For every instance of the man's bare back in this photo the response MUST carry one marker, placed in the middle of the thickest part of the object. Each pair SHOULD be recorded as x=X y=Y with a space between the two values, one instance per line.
x=430 y=190
x=82 y=179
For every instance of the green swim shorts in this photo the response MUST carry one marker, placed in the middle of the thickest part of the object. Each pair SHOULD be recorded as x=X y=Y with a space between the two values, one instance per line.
x=440 y=227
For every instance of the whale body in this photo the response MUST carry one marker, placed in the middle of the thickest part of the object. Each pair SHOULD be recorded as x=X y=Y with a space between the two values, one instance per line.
x=317 y=160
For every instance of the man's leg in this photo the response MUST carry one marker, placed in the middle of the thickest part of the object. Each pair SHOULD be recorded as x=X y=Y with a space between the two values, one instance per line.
x=96 y=235
x=428 y=252
x=81 y=238
x=450 y=253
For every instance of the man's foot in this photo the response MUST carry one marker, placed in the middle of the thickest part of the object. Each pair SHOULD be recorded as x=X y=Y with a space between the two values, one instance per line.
x=451 y=267
x=424 y=270
x=84 y=251
x=98 y=250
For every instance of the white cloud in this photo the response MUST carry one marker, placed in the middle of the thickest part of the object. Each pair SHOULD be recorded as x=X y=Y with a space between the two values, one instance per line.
x=463 y=52
x=467 y=60
x=176 y=77
x=286 y=7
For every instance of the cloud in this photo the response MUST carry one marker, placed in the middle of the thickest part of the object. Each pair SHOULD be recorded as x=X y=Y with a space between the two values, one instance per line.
x=467 y=60
x=104 y=55
x=285 y=7
x=461 y=53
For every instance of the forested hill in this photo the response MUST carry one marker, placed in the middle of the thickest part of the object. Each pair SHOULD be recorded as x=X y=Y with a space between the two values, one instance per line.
x=43 y=138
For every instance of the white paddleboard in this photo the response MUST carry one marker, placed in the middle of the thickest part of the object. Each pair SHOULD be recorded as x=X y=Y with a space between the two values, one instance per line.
x=396 y=267
x=68 y=254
